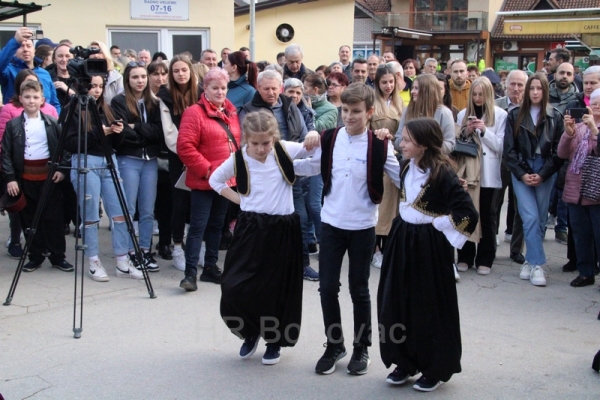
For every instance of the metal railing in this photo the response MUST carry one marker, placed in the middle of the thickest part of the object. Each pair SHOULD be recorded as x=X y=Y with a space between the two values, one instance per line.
x=440 y=21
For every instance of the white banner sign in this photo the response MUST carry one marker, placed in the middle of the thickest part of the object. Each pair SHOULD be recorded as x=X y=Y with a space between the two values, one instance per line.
x=171 y=10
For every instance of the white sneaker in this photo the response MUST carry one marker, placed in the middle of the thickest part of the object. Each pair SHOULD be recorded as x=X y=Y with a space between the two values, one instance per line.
x=202 y=254
x=155 y=231
x=456 y=275
x=507 y=237
x=497 y=241
x=538 y=276
x=525 y=271
x=126 y=270
x=7 y=242
x=179 y=258
x=97 y=272
x=377 y=260
x=462 y=267
x=551 y=221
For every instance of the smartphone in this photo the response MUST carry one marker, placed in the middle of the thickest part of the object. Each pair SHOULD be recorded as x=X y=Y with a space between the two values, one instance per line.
x=117 y=121
x=472 y=118
x=576 y=113
x=39 y=34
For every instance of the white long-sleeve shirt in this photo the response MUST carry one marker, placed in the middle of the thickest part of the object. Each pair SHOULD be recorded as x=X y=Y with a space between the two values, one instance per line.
x=269 y=192
x=348 y=205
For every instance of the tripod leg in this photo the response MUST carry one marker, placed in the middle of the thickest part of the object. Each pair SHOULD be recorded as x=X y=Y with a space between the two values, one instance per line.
x=96 y=121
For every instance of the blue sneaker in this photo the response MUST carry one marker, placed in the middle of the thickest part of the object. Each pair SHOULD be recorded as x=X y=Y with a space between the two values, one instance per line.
x=310 y=274
x=272 y=354
x=249 y=347
x=15 y=251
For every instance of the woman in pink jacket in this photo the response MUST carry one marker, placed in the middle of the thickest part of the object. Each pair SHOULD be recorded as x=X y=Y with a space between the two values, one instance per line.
x=209 y=132
x=13 y=109
x=577 y=142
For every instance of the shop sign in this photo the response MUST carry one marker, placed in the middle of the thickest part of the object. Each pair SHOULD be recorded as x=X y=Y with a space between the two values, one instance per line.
x=166 y=10
x=551 y=26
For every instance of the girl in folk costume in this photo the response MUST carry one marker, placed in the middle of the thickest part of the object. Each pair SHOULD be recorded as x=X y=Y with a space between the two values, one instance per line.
x=261 y=288
x=417 y=301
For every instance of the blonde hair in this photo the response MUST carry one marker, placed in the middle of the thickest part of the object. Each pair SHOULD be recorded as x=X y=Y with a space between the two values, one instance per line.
x=200 y=70
x=260 y=122
x=394 y=110
x=110 y=63
x=489 y=113
x=428 y=100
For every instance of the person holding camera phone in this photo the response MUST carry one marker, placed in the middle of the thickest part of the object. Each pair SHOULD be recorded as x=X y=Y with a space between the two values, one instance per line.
x=578 y=141
x=530 y=143
x=18 y=54
x=484 y=119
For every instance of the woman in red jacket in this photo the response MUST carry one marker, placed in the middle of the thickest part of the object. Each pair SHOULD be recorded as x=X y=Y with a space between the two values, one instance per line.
x=208 y=134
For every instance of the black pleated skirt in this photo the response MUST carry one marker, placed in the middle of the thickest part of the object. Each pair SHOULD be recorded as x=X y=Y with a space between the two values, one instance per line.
x=261 y=288
x=417 y=304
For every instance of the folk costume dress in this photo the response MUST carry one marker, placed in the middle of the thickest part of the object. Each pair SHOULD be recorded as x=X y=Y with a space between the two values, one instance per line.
x=417 y=302
x=261 y=287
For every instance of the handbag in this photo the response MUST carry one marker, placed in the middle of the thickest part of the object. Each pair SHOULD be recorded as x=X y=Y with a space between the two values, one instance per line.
x=590 y=176
x=466 y=146
x=180 y=184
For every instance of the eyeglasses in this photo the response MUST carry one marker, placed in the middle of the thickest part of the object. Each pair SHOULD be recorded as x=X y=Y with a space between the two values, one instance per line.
x=388 y=65
x=594 y=104
x=133 y=64
x=334 y=85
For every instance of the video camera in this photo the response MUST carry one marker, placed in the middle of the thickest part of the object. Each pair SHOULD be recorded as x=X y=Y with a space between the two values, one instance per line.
x=82 y=68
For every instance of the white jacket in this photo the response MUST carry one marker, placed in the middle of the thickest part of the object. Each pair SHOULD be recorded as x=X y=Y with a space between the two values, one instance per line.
x=492 y=144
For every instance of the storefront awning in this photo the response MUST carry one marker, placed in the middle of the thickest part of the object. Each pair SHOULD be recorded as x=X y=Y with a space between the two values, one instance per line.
x=12 y=9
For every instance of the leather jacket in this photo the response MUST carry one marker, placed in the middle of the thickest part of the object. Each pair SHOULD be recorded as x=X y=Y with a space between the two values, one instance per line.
x=523 y=146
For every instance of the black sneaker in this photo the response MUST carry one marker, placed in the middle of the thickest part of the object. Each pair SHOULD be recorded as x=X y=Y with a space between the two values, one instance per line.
x=189 y=283
x=249 y=347
x=150 y=262
x=272 y=354
x=569 y=267
x=134 y=261
x=211 y=274
x=165 y=252
x=426 y=385
x=359 y=363
x=15 y=251
x=31 y=266
x=63 y=266
x=313 y=249
x=398 y=377
x=333 y=353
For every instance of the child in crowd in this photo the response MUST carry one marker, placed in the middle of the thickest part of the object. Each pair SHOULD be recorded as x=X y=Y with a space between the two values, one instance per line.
x=417 y=302
x=29 y=142
x=99 y=185
x=352 y=168
x=262 y=278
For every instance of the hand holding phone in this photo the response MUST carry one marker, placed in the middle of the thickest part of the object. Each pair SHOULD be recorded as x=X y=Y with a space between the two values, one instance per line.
x=576 y=113
x=117 y=121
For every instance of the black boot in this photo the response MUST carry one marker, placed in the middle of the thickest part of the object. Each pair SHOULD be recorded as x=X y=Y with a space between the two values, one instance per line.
x=189 y=283
x=211 y=274
x=165 y=252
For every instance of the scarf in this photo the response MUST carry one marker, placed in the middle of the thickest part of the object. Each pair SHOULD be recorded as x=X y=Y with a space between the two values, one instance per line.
x=581 y=153
x=221 y=112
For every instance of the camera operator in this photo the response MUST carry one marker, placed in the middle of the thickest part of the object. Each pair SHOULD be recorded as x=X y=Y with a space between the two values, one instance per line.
x=17 y=55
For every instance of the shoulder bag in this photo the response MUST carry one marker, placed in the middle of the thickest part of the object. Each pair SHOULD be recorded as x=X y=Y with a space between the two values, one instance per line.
x=590 y=176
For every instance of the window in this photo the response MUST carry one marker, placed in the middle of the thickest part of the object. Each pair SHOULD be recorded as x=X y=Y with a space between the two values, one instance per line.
x=8 y=31
x=169 y=41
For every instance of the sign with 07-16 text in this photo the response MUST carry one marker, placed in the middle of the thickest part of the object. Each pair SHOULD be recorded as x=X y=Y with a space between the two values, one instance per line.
x=171 y=10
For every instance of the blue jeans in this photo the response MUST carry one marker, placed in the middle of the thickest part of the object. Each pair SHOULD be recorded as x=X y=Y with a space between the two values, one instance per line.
x=208 y=210
x=300 y=209
x=533 y=209
x=139 y=181
x=100 y=185
x=585 y=221
x=313 y=192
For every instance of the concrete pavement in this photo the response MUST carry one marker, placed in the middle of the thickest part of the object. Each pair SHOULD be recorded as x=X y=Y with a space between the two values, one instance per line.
x=519 y=341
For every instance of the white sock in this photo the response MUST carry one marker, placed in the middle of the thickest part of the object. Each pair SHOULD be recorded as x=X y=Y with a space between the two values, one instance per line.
x=177 y=246
x=94 y=258
x=122 y=258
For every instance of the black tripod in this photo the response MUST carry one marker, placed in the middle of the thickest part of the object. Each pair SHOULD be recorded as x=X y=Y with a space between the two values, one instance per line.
x=77 y=105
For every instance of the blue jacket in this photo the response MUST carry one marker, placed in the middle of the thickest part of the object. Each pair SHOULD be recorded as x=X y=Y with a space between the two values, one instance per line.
x=10 y=67
x=240 y=92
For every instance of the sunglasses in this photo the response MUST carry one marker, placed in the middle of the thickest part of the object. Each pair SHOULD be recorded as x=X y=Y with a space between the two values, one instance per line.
x=134 y=64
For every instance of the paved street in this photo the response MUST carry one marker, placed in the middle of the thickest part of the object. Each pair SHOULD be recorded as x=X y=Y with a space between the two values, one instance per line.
x=519 y=341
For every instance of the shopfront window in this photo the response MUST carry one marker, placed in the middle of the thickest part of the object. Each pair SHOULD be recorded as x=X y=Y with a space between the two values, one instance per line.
x=441 y=15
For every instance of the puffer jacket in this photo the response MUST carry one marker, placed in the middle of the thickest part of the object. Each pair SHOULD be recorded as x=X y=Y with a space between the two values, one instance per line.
x=523 y=146
x=326 y=115
x=567 y=147
x=203 y=144
x=10 y=111
x=239 y=92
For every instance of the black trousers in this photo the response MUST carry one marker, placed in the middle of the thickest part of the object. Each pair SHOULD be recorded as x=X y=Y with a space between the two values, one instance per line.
x=49 y=234
x=163 y=207
x=485 y=253
x=180 y=212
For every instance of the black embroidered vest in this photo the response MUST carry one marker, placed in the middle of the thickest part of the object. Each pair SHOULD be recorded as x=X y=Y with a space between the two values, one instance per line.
x=242 y=176
x=376 y=157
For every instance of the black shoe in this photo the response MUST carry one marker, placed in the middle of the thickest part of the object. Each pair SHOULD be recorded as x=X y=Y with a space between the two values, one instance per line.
x=561 y=237
x=189 y=283
x=165 y=252
x=77 y=233
x=313 y=249
x=398 y=377
x=63 y=266
x=249 y=347
x=15 y=251
x=150 y=262
x=359 y=363
x=517 y=257
x=211 y=274
x=67 y=229
x=582 y=281
x=272 y=354
x=31 y=266
x=426 y=385
x=569 y=267
x=333 y=353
